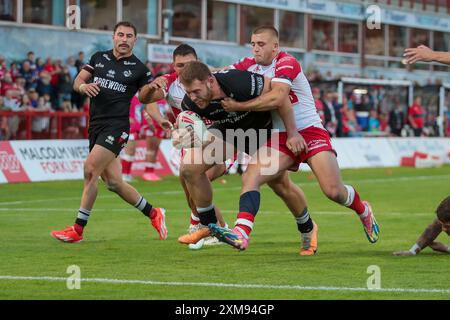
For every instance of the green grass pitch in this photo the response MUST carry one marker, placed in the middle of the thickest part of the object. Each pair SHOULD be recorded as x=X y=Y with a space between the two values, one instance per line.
x=121 y=245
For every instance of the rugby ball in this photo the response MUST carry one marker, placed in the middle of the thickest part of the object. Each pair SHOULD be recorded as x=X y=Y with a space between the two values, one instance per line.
x=191 y=120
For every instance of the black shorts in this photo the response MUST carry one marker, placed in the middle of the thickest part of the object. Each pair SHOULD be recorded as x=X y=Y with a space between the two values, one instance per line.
x=243 y=140
x=112 y=135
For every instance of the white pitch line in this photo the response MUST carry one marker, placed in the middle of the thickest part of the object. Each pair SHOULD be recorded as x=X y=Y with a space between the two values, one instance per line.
x=229 y=285
x=174 y=192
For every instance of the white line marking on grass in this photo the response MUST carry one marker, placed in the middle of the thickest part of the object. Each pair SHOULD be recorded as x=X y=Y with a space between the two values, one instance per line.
x=175 y=192
x=229 y=285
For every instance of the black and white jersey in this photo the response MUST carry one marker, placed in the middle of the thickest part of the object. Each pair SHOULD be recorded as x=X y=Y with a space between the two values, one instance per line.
x=119 y=80
x=240 y=86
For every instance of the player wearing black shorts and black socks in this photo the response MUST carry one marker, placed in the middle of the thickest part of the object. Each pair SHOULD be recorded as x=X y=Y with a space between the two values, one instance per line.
x=120 y=79
x=111 y=79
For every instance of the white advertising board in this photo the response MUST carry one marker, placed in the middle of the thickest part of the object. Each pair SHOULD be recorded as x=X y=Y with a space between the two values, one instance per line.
x=46 y=160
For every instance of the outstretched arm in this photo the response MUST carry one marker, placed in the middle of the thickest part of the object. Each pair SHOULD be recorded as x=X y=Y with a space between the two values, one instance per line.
x=425 y=54
x=426 y=239
x=152 y=110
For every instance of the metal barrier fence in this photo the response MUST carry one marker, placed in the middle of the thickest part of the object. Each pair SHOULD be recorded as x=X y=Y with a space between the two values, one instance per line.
x=31 y=125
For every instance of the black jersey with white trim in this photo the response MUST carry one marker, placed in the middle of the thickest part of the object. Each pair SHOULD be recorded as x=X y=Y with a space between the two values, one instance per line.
x=119 y=80
x=240 y=86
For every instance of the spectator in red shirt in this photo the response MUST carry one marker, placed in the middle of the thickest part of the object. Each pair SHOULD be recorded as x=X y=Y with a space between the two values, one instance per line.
x=9 y=85
x=383 y=122
x=53 y=69
x=416 y=116
x=58 y=72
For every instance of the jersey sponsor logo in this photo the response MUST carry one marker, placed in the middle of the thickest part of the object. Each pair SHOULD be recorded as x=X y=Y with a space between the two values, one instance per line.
x=106 y=57
x=253 y=85
x=231 y=117
x=111 y=85
x=221 y=71
x=111 y=74
x=127 y=73
x=99 y=65
x=127 y=63
x=149 y=74
x=259 y=85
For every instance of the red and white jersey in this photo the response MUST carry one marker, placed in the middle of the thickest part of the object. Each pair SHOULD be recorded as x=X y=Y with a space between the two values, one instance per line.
x=286 y=69
x=174 y=93
x=136 y=112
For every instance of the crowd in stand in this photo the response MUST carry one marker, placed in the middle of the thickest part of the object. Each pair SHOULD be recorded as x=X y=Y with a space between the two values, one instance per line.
x=38 y=85
x=362 y=115
x=374 y=112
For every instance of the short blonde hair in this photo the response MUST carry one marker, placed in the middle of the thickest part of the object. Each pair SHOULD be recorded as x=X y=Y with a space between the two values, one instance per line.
x=194 y=70
x=270 y=29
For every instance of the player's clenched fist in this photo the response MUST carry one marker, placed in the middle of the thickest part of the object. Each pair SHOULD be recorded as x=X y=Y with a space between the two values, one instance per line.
x=230 y=105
